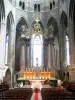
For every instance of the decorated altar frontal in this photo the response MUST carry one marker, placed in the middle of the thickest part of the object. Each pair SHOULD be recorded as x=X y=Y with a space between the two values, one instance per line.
x=35 y=75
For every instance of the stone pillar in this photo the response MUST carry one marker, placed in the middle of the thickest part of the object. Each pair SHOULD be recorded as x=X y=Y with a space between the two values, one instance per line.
x=52 y=54
x=12 y=57
x=30 y=55
x=64 y=49
x=27 y=56
x=2 y=43
x=45 y=54
x=28 y=52
x=49 y=61
x=22 y=57
x=11 y=45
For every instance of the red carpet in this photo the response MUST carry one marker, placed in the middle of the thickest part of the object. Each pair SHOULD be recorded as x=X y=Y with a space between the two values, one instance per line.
x=36 y=94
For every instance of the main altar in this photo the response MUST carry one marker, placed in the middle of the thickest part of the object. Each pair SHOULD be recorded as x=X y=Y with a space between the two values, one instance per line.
x=35 y=74
x=36 y=77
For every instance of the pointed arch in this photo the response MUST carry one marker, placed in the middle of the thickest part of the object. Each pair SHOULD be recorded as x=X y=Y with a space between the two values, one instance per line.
x=21 y=22
x=10 y=17
x=71 y=8
x=2 y=10
x=8 y=77
x=7 y=71
x=64 y=19
x=9 y=28
x=10 y=21
x=52 y=21
x=72 y=13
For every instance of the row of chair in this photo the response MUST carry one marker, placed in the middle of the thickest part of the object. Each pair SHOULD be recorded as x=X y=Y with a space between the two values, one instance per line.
x=4 y=87
x=16 y=94
x=70 y=86
x=56 y=94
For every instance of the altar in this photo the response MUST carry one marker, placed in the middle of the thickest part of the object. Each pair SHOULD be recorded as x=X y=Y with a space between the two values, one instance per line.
x=37 y=81
x=35 y=75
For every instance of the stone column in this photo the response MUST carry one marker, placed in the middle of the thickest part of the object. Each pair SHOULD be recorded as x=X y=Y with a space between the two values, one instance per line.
x=49 y=61
x=52 y=54
x=44 y=61
x=12 y=56
x=30 y=55
x=2 y=43
x=28 y=49
x=45 y=54
x=22 y=57
x=11 y=46
x=27 y=61
x=64 y=48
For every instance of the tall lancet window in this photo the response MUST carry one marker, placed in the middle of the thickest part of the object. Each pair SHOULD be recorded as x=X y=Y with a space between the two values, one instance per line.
x=67 y=51
x=6 y=48
x=37 y=50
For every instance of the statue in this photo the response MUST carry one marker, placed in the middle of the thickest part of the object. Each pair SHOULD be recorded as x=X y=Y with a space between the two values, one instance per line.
x=51 y=31
x=36 y=28
x=24 y=31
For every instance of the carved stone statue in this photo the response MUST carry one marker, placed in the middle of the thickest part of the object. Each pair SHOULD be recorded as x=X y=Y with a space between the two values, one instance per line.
x=51 y=29
x=37 y=29
x=24 y=31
